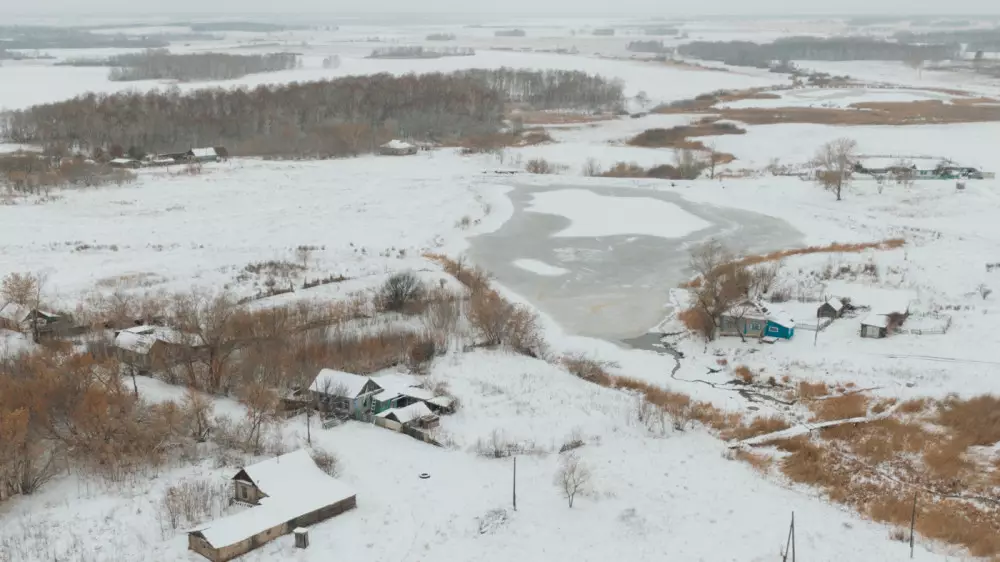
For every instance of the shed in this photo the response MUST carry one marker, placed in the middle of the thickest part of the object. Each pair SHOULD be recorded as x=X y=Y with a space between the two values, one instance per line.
x=207 y=154
x=417 y=414
x=832 y=308
x=19 y=317
x=145 y=348
x=290 y=492
x=779 y=324
x=397 y=148
x=875 y=326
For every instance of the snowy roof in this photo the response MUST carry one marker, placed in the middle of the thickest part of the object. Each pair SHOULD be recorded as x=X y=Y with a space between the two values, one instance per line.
x=397 y=145
x=442 y=401
x=778 y=316
x=756 y=310
x=877 y=320
x=123 y=160
x=330 y=379
x=19 y=313
x=14 y=312
x=202 y=152
x=406 y=415
x=294 y=486
x=402 y=385
x=836 y=304
x=140 y=339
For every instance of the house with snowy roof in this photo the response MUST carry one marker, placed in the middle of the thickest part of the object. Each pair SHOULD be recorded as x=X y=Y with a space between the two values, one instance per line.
x=285 y=493
x=397 y=148
x=147 y=348
x=753 y=319
x=344 y=393
x=19 y=318
x=416 y=415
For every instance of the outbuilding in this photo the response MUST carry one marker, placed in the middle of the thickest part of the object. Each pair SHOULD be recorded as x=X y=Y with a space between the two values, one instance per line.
x=285 y=493
x=832 y=308
x=397 y=148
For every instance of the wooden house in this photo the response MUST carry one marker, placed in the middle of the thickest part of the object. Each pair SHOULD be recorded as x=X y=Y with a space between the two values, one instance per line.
x=416 y=415
x=751 y=319
x=201 y=155
x=19 y=318
x=125 y=163
x=832 y=308
x=344 y=394
x=285 y=493
x=149 y=348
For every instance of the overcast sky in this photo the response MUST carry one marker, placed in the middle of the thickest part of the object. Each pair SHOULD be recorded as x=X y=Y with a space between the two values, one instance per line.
x=621 y=7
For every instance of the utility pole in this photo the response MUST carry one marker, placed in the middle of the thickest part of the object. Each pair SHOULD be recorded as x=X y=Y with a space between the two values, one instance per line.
x=790 y=542
x=515 y=484
x=913 y=522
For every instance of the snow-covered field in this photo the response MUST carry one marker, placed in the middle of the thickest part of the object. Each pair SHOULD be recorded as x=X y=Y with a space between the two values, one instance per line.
x=658 y=493
x=839 y=98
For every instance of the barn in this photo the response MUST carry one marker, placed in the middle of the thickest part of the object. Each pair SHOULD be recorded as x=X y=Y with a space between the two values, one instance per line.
x=284 y=494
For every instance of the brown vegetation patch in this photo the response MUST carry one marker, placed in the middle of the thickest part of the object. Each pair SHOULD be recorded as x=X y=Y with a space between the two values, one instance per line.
x=809 y=390
x=476 y=144
x=974 y=422
x=559 y=117
x=759 y=426
x=839 y=407
x=678 y=137
x=870 y=113
x=760 y=462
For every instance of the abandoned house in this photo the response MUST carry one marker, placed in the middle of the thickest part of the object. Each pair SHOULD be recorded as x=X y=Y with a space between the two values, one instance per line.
x=125 y=163
x=832 y=308
x=751 y=319
x=19 y=318
x=878 y=325
x=284 y=493
x=397 y=148
x=345 y=394
x=149 y=348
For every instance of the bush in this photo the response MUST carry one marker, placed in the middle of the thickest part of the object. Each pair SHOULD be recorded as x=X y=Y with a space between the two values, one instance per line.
x=625 y=170
x=698 y=321
x=540 y=166
x=500 y=323
x=400 y=291
x=325 y=460
x=591 y=370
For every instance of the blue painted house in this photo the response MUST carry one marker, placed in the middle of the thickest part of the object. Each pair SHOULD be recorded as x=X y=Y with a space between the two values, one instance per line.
x=751 y=319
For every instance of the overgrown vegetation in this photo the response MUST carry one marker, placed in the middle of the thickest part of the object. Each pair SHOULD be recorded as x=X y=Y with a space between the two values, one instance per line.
x=317 y=119
x=33 y=173
x=678 y=137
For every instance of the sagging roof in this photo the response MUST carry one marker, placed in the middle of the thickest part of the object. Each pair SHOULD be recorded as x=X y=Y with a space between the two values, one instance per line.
x=408 y=414
x=294 y=486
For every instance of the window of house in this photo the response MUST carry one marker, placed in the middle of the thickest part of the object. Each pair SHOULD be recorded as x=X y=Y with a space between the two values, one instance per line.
x=755 y=325
x=773 y=329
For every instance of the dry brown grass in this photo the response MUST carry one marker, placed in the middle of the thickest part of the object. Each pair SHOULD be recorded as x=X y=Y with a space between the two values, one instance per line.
x=975 y=421
x=744 y=374
x=559 y=117
x=680 y=137
x=696 y=320
x=834 y=248
x=760 y=462
x=871 y=113
x=759 y=426
x=589 y=369
x=839 y=407
x=808 y=390
x=914 y=406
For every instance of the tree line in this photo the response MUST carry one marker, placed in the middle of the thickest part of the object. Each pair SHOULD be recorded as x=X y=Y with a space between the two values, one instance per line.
x=418 y=52
x=976 y=39
x=345 y=116
x=746 y=53
x=160 y=64
x=43 y=37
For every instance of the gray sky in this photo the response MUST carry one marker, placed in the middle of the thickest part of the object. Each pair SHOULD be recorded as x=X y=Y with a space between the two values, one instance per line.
x=233 y=8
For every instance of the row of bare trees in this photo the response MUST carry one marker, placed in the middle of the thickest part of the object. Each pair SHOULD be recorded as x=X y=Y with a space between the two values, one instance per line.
x=160 y=64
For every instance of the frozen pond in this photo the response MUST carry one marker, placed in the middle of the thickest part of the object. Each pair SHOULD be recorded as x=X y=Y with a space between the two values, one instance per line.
x=602 y=261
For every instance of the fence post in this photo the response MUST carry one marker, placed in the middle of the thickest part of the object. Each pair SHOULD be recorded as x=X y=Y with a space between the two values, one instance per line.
x=913 y=522
x=515 y=484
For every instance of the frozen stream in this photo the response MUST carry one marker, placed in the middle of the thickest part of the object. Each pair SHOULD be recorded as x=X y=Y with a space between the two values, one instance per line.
x=602 y=261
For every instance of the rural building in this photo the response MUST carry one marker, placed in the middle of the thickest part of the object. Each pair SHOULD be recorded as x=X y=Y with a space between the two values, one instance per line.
x=344 y=393
x=124 y=163
x=18 y=318
x=879 y=325
x=149 y=348
x=755 y=320
x=415 y=415
x=209 y=154
x=832 y=308
x=285 y=493
x=397 y=148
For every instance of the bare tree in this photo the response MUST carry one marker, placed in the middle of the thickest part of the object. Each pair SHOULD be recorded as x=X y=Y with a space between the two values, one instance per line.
x=197 y=410
x=689 y=165
x=573 y=477
x=400 y=290
x=303 y=253
x=262 y=406
x=19 y=288
x=834 y=162
x=592 y=168
x=714 y=158
x=722 y=283
x=904 y=173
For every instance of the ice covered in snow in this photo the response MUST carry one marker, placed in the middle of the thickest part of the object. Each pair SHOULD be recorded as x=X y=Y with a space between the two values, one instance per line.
x=594 y=215
x=540 y=268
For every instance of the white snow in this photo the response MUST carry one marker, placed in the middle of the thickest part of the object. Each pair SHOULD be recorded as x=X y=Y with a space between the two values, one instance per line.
x=593 y=215
x=539 y=267
x=838 y=97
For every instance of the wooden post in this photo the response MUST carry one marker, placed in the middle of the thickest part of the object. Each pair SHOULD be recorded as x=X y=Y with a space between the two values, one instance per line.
x=816 y=335
x=515 y=484
x=793 y=536
x=913 y=522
